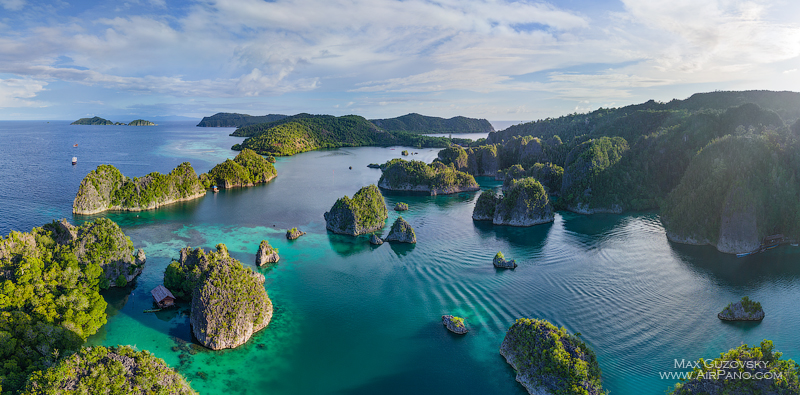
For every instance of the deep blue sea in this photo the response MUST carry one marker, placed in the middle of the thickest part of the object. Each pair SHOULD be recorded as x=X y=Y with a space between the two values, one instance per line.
x=351 y=318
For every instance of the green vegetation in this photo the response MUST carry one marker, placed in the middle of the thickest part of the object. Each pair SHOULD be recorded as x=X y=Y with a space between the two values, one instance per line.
x=49 y=293
x=115 y=370
x=458 y=322
x=400 y=206
x=229 y=120
x=246 y=168
x=548 y=356
x=416 y=123
x=93 y=121
x=404 y=153
x=485 y=206
x=527 y=194
x=141 y=122
x=365 y=212
x=748 y=305
x=743 y=370
x=107 y=189
x=499 y=255
x=435 y=178
x=305 y=132
x=584 y=170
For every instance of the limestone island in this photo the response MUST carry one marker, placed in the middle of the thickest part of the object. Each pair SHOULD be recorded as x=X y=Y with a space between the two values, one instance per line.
x=500 y=262
x=454 y=324
x=743 y=310
x=141 y=122
x=401 y=232
x=246 y=169
x=229 y=302
x=365 y=212
x=400 y=206
x=51 y=281
x=548 y=360
x=113 y=370
x=435 y=179
x=103 y=121
x=294 y=233
x=107 y=189
x=375 y=240
x=266 y=254
x=524 y=204
x=735 y=373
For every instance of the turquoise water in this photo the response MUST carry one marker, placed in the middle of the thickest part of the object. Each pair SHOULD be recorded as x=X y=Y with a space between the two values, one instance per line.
x=356 y=319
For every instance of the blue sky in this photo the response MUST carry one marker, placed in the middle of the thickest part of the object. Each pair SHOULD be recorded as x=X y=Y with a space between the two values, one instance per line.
x=493 y=59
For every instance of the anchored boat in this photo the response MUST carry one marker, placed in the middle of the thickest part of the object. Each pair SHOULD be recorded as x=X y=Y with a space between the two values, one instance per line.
x=74 y=160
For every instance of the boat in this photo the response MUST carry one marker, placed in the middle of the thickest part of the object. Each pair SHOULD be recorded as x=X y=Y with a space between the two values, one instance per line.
x=75 y=145
x=215 y=189
x=74 y=160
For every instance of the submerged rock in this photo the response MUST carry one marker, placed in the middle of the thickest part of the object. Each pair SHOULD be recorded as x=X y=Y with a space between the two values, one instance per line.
x=266 y=254
x=400 y=206
x=548 y=360
x=454 y=324
x=500 y=262
x=365 y=212
x=743 y=310
x=294 y=233
x=401 y=232
x=375 y=240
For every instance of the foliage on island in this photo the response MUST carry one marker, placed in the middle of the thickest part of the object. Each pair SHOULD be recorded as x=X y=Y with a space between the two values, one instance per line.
x=743 y=310
x=305 y=132
x=435 y=178
x=141 y=122
x=524 y=203
x=401 y=232
x=114 y=370
x=365 y=212
x=230 y=120
x=229 y=302
x=743 y=370
x=485 y=206
x=416 y=123
x=545 y=356
x=94 y=121
x=105 y=188
x=50 y=303
x=246 y=169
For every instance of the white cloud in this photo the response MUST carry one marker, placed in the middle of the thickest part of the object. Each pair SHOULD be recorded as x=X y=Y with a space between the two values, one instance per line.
x=17 y=92
x=12 y=5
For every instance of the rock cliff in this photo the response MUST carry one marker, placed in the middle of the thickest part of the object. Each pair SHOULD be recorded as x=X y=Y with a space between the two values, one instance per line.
x=365 y=212
x=375 y=240
x=401 y=232
x=435 y=179
x=107 y=189
x=229 y=302
x=294 y=233
x=266 y=254
x=485 y=206
x=548 y=360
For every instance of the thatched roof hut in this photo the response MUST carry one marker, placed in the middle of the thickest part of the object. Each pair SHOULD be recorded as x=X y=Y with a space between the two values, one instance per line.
x=162 y=296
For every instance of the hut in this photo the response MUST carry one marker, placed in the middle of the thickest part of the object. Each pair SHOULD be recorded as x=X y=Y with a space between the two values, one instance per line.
x=162 y=296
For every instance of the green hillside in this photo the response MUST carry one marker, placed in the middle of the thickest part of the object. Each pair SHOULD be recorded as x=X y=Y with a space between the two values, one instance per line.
x=416 y=123
x=229 y=120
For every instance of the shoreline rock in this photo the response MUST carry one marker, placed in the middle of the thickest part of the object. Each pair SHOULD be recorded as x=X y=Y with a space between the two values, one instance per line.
x=375 y=240
x=401 y=232
x=294 y=233
x=454 y=324
x=400 y=206
x=500 y=262
x=365 y=212
x=743 y=310
x=266 y=254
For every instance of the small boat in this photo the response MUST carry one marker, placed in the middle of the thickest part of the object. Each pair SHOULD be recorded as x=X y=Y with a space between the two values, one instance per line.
x=215 y=189
x=744 y=254
x=74 y=160
x=75 y=145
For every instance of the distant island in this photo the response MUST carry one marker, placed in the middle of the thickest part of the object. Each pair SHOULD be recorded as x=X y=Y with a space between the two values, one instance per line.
x=103 y=121
x=416 y=123
x=234 y=120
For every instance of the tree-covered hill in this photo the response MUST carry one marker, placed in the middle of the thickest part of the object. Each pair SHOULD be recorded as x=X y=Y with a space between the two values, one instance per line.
x=304 y=132
x=229 y=120
x=416 y=123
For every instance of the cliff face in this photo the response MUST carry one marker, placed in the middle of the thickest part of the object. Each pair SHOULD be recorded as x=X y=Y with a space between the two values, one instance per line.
x=101 y=370
x=416 y=176
x=401 y=232
x=266 y=254
x=548 y=360
x=483 y=161
x=738 y=230
x=585 y=166
x=365 y=212
x=229 y=302
x=524 y=204
x=107 y=189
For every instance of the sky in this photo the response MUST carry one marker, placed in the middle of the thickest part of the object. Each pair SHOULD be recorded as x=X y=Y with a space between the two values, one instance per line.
x=493 y=59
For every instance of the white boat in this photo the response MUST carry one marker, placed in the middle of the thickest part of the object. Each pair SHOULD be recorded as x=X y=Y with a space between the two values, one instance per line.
x=74 y=160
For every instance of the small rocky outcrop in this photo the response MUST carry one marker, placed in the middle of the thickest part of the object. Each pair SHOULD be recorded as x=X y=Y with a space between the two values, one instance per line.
x=141 y=122
x=400 y=206
x=485 y=206
x=375 y=240
x=454 y=324
x=107 y=189
x=374 y=166
x=500 y=262
x=365 y=212
x=229 y=302
x=743 y=310
x=401 y=232
x=266 y=254
x=294 y=233
x=524 y=204
x=563 y=361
